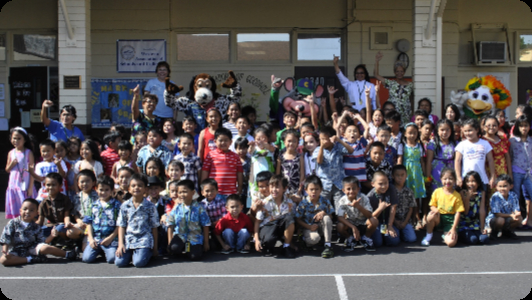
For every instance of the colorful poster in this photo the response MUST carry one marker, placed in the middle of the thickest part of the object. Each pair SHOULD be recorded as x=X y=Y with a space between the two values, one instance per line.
x=139 y=56
x=111 y=101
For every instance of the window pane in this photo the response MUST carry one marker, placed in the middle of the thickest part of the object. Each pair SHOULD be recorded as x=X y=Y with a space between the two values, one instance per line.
x=2 y=47
x=525 y=47
x=34 y=47
x=318 y=46
x=191 y=47
x=263 y=46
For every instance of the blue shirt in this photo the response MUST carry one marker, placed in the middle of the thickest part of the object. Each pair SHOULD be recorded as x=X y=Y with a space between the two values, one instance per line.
x=58 y=132
x=331 y=170
x=161 y=152
x=156 y=87
x=307 y=210
x=355 y=163
x=139 y=223
x=499 y=205
x=20 y=239
x=103 y=219
x=188 y=222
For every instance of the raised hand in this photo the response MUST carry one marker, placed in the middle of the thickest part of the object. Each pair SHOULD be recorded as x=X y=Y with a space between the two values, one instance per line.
x=367 y=90
x=47 y=103
x=378 y=86
x=276 y=82
x=378 y=56
x=335 y=59
x=331 y=89
x=136 y=90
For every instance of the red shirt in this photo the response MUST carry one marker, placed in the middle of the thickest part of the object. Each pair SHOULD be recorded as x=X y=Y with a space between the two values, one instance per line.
x=228 y=221
x=109 y=158
x=223 y=167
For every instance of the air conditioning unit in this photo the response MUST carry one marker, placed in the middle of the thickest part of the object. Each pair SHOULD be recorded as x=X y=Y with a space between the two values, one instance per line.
x=492 y=52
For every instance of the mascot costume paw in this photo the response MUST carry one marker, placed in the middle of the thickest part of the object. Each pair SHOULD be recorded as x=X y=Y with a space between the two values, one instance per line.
x=201 y=96
x=481 y=97
x=295 y=99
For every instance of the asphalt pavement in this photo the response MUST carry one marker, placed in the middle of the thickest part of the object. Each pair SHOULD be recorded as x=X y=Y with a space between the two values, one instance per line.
x=501 y=270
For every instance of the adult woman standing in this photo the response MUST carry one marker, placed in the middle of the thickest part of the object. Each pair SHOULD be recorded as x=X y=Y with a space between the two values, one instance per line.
x=64 y=130
x=156 y=87
x=400 y=90
x=356 y=88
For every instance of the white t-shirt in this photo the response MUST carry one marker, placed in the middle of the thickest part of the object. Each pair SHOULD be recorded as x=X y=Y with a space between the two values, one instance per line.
x=98 y=168
x=474 y=157
x=44 y=168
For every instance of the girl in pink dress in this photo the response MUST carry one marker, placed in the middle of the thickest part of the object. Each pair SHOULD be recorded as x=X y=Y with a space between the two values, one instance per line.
x=18 y=160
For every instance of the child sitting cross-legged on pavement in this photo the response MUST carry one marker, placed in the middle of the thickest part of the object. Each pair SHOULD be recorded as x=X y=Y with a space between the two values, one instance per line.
x=355 y=219
x=235 y=227
x=22 y=240
x=313 y=214
x=276 y=219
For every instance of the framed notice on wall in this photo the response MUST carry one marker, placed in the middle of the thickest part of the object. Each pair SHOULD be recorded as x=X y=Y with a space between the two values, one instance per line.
x=139 y=56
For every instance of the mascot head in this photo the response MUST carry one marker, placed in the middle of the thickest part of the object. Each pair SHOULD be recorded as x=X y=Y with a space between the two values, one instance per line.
x=297 y=92
x=202 y=89
x=485 y=94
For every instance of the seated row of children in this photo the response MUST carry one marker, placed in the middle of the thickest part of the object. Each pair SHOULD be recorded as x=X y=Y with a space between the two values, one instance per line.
x=128 y=232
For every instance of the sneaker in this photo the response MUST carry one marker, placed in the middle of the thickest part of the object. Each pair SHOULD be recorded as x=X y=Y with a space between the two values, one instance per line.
x=328 y=252
x=288 y=252
x=71 y=255
x=350 y=247
x=509 y=234
x=358 y=244
x=243 y=251
x=493 y=234
x=268 y=251
x=425 y=242
x=223 y=251
x=37 y=259
x=368 y=246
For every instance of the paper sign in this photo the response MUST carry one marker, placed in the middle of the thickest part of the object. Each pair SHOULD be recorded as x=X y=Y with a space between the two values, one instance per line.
x=139 y=56
x=25 y=119
x=3 y=124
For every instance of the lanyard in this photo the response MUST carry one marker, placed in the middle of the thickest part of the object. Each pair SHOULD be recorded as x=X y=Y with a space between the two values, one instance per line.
x=360 y=92
x=65 y=132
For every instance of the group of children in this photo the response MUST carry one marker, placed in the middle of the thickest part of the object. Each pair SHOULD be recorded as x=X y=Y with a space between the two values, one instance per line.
x=232 y=184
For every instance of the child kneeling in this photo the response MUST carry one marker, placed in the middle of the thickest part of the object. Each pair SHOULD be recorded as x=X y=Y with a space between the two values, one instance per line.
x=188 y=224
x=102 y=232
x=23 y=242
x=235 y=227
x=313 y=214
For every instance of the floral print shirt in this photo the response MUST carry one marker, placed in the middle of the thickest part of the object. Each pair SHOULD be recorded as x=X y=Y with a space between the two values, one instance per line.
x=102 y=218
x=306 y=210
x=21 y=239
x=331 y=170
x=82 y=205
x=406 y=200
x=499 y=205
x=400 y=96
x=271 y=212
x=471 y=221
x=188 y=222
x=139 y=223
x=351 y=213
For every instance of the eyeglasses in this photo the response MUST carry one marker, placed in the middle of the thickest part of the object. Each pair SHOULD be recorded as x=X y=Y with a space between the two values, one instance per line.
x=358 y=73
x=148 y=101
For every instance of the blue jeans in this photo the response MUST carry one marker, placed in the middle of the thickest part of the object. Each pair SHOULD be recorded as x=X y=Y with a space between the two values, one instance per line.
x=46 y=231
x=472 y=237
x=236 y=240
x=89 y=254
x=377 y=238
x=524 y=180
x=140 y=257
x=408 y=234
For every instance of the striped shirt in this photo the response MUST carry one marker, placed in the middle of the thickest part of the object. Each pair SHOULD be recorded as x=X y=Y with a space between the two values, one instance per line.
x=109 y=158
x=355 y=163
x=223 y=167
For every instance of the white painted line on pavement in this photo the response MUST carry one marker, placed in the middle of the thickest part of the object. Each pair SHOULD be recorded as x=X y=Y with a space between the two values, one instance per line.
x=341 y=287
x=260 y=275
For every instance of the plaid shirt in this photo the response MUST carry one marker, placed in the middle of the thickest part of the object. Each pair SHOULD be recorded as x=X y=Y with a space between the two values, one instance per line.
x=102 y=218
x=192 y=165
x=215 y=208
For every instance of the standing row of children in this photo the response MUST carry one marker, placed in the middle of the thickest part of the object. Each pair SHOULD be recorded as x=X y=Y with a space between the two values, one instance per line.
x=340 y=164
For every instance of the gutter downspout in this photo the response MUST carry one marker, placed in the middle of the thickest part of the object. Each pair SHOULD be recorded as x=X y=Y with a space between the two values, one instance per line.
x=439 y=50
